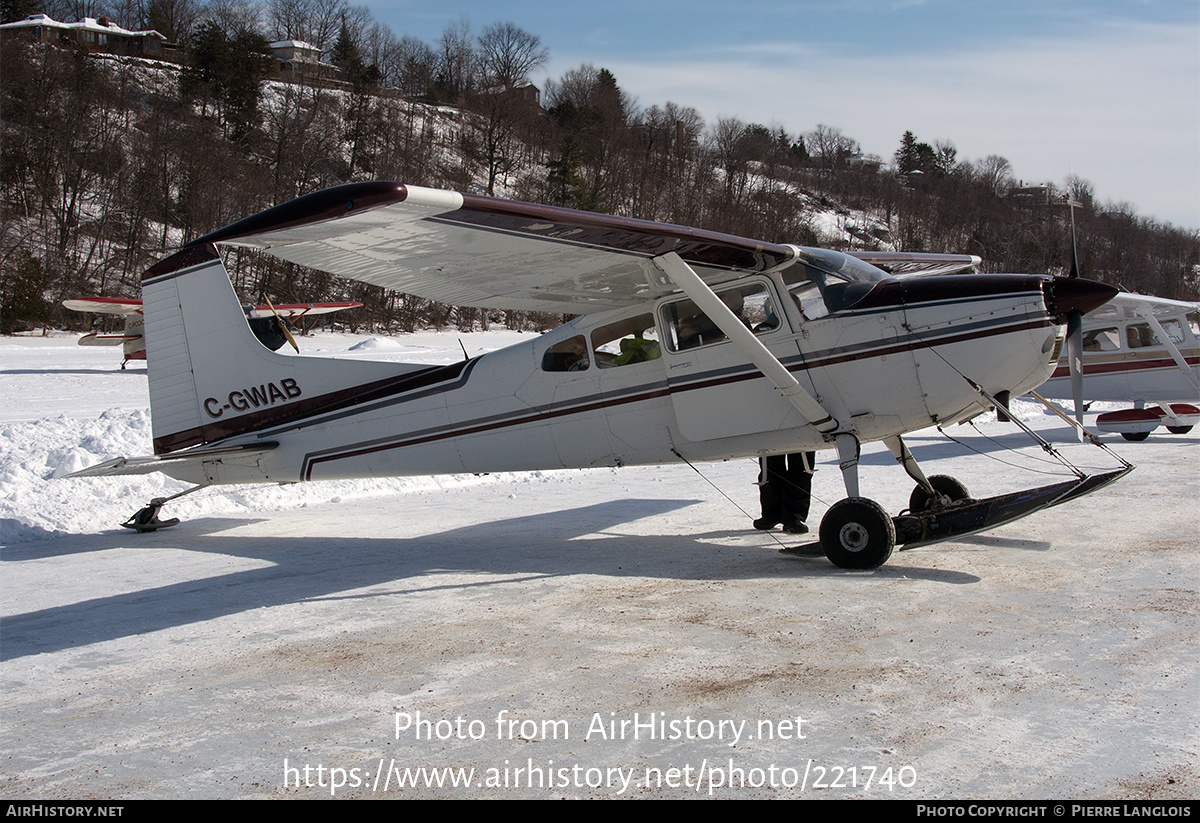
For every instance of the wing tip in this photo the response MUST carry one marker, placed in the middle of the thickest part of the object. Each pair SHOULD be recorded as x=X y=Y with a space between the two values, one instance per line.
x=326 y=204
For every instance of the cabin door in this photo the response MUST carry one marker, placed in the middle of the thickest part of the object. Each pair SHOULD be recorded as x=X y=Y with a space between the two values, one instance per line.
x=716 y=391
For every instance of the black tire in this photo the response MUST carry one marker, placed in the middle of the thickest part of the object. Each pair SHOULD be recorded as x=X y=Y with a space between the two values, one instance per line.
x=1179 y=429
x=920 y=501
x=856 y=533
x=1136 y=437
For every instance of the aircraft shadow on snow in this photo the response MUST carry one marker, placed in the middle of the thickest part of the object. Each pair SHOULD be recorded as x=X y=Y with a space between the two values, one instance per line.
x=305 y=568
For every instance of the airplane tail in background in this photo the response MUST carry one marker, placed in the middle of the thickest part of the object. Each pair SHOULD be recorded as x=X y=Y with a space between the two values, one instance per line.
x=210 y=377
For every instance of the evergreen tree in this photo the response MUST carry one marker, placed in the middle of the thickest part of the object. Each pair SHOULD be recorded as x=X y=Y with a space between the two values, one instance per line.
x=228 y=71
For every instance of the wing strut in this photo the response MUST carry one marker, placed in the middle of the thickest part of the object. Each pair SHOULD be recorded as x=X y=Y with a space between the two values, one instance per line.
x=672 y=265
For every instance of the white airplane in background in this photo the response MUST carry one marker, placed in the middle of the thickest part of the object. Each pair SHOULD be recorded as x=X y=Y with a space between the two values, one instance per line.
x=265 y=322
x=689 y=345
x=1139 y=349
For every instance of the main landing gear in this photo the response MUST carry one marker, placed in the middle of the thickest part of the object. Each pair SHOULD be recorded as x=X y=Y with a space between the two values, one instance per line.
x=856 y=533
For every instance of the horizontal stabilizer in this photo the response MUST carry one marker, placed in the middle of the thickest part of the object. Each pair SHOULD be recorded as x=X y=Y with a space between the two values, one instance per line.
x=94 y=339
x=155 y=463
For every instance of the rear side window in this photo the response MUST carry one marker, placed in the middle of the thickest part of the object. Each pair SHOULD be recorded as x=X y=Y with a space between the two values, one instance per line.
x=568 y=355
x=625 y=342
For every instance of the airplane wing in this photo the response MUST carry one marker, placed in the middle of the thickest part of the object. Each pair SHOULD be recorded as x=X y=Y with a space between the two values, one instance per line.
x=293 y=311
x=123 y=306
x=94 y=339
x=1129 y=305
x=469 y=250
x=918 y=264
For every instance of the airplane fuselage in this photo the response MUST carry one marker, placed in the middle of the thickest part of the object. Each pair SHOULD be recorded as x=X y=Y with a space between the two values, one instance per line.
x=1126 y=359
x=901 y=359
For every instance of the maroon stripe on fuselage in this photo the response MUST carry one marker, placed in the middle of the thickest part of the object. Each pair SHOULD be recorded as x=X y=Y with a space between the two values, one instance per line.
x=304 y=409
x=444 y=433
x=1126 y=366
x=950 y=287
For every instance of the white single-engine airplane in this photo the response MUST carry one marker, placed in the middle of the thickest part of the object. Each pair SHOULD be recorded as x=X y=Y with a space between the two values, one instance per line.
x=1139 y=349
x=689 y=345
x=265 y=322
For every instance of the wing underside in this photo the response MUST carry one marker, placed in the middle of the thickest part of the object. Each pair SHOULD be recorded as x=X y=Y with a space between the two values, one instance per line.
x=469 y=250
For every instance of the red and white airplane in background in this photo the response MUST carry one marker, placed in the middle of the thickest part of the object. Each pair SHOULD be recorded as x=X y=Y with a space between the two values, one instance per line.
x=270 y=331
x=688 y=345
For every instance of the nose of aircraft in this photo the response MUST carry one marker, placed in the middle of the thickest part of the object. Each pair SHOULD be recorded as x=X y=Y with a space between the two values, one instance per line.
x=1068 y=294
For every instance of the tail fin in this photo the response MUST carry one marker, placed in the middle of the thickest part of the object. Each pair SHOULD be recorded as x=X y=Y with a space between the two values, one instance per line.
x=210 y=377
x=194 y=278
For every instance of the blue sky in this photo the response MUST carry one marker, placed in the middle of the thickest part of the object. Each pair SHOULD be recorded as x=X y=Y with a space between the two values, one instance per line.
x=1109 y=91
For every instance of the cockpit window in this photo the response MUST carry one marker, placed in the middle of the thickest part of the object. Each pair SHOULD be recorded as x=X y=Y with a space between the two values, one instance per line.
x=823 y=281
x=688 y=327
x=1106 y=339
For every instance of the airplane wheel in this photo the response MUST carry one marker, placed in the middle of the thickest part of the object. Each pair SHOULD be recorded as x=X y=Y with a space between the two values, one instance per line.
x=856 y=533
x=1136 y=437
x=1179 y=429
x=920 y=501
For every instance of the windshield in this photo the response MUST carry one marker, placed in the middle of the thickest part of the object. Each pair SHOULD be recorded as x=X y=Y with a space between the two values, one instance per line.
x=823 y=281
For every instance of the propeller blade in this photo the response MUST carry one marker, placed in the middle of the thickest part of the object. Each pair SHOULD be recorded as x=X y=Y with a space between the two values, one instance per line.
x=1075 y=335
x=1075 y=361
x=283 y=326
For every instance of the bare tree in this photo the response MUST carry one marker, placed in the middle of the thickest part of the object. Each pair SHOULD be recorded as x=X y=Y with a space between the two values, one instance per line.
x=945 y=157
x=508 y=54
x=1081 y=192
x=456 y=63
x=409 y=65
x=233 y=17
x=730 y=145
x=315 y=22
x=173 y=19
x=995 y=172
x=830 y=147
x=68 y=11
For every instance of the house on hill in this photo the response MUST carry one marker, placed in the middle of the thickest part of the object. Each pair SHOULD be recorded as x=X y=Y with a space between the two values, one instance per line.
x=94 y=35
x=301 y=61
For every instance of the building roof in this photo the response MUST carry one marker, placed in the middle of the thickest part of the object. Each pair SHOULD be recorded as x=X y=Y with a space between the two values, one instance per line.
x=292 y=44
x=86 y=24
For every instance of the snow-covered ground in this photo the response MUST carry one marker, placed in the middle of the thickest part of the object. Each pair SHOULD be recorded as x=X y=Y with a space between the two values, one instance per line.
x=576 y=630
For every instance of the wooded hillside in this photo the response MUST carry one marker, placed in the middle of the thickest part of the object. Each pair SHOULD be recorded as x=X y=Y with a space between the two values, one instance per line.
x=108 y=163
